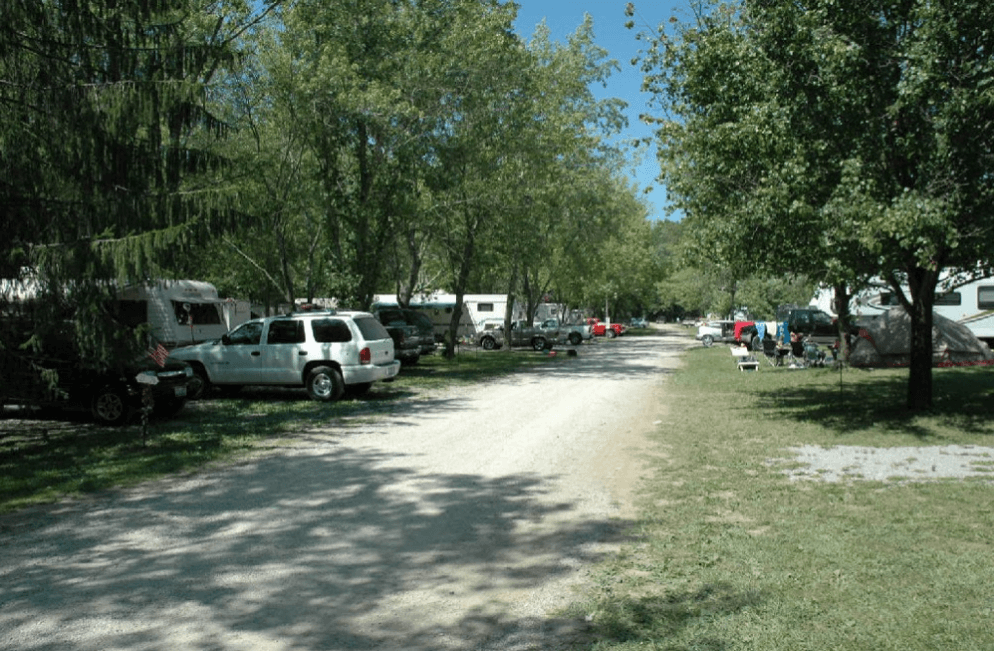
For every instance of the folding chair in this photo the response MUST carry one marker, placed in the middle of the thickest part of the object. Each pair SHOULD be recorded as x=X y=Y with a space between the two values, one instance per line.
x=772 y=351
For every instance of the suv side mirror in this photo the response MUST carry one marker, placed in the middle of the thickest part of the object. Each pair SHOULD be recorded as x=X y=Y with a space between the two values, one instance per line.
x=226 y=340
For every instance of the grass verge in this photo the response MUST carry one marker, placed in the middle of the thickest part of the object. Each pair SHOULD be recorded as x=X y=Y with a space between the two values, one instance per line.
x=43 y=460
x=731 y=554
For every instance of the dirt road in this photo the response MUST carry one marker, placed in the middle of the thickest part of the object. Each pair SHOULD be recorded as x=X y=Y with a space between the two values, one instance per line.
x=463 y=523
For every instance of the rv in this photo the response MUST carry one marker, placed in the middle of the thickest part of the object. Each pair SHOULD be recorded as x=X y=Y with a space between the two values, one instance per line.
x=970 y=303
x=478 y=309
x=180 y=312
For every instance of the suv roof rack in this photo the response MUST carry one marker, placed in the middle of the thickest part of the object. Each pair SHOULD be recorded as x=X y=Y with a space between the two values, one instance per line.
x=307 y=308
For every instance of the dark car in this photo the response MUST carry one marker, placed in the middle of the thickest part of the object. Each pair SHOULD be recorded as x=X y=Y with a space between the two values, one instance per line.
x=406 y=337
x=425 y=328
x=55 y=377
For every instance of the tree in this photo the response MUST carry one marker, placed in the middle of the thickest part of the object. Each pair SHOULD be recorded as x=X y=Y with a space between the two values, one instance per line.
x=831 y=138
x=108 y=134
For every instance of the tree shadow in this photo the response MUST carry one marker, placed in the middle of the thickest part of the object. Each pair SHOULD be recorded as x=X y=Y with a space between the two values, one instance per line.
x=861 y=402
x=337 y=548
x=659 y=618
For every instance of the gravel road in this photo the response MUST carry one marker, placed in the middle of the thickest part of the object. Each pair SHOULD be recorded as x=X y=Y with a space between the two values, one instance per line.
x=465 y=522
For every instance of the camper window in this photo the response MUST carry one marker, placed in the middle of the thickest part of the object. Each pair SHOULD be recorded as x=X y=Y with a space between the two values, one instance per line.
x=197 y=313
x=949 y=298
x=985 y=297
x=485 y=307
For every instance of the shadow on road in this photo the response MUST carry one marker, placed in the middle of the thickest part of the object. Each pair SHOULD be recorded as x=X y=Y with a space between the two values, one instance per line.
x=284 y=552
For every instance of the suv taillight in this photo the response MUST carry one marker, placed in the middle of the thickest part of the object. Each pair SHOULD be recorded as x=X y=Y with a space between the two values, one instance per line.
x=365 y=356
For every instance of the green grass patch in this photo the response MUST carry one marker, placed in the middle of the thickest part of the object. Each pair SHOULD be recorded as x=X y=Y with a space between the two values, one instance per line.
x=730 y=554
x=43 y=460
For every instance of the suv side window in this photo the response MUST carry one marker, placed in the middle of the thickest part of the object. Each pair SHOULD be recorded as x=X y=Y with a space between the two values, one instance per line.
x=286 y=331
x=247 y=334
x=370 y=328
x=330 y=331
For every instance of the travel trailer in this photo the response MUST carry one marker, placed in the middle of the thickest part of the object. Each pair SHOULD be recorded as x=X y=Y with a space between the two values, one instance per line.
x=477 y=310
x=970 y=303
x=181 y=312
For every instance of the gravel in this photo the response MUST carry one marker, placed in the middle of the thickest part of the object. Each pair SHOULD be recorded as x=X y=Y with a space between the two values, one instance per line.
x=901 y=464
x=468 y=521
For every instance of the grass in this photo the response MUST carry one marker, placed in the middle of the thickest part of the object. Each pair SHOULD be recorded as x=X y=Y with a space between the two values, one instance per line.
x=730 y=554
x=44 y=460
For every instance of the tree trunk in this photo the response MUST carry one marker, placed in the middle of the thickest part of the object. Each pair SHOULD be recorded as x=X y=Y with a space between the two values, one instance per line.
x=921 y=284
x=462 y=279
x=841 y=305
x=509 y=307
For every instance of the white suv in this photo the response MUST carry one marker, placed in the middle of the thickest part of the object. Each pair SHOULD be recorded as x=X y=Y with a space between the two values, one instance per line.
x=325 y=352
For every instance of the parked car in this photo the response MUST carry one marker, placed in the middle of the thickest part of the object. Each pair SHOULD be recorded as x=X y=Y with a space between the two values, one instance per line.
x=425 y=328
x=638 y=322
x=572 y=333
x=601 y=329
x=406 y=336
x=717 y=330
x=522 y=334
x=54 y=376
x=324 y=352
x=816 y=326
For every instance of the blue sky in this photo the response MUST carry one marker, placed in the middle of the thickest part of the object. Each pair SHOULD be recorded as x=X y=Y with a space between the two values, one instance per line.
x=564 y=16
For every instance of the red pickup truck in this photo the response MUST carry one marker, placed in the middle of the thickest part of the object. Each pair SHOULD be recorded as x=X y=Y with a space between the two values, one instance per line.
x=603 y=330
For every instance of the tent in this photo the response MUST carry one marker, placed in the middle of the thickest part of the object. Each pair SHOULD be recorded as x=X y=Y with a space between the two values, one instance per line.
x=886 y=342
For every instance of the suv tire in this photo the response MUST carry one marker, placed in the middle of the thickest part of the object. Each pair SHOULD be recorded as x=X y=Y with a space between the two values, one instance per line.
x=538 y=344
x=199 y=385
x=110 y=405
x=325 y=384
x=488 y=343
x=575 y=339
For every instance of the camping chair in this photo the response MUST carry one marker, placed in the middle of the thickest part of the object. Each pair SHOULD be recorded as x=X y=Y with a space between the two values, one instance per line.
x=813 y=356
x=772 y=351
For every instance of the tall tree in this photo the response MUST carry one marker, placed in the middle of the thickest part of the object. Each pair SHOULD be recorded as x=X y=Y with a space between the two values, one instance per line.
x=838 y=139
x=107 y=139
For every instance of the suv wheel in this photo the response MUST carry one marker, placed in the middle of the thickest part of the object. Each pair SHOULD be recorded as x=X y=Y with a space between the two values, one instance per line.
x=611 y=334
x=488 y=343
x=110 y=405
x=707 y=340
x=199 y=385
x=325 y=384
x=538 y=343
x=575 y=339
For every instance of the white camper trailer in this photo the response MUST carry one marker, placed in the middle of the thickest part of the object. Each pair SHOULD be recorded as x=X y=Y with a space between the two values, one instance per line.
x=970 y=303
x=181 y=312
x=477 y=309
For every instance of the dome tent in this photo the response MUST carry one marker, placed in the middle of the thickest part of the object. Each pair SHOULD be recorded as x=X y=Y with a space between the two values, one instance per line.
x=886 y=342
